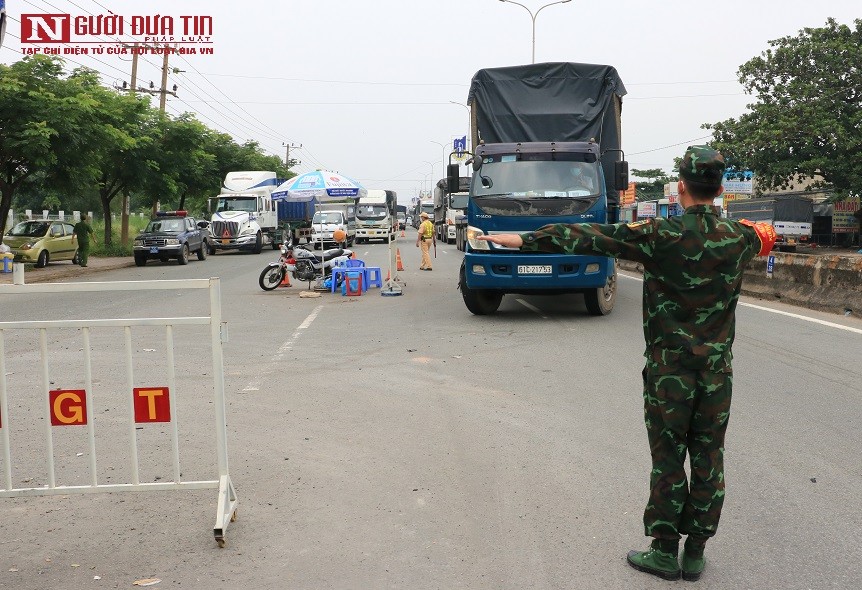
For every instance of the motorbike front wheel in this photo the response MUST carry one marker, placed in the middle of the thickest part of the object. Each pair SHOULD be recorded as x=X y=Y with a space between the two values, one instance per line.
x=271 y=277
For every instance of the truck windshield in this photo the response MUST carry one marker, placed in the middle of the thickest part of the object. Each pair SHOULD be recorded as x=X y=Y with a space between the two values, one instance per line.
x=327 y=217
x=505 y=186
x=371 y=212
x=459 y=201
x=428 y=208
x=236 y=204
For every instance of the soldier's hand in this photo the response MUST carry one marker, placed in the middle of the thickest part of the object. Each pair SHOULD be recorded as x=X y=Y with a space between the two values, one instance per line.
x=505 y=240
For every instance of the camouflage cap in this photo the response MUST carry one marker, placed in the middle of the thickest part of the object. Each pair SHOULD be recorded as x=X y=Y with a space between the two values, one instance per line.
x=702 y=165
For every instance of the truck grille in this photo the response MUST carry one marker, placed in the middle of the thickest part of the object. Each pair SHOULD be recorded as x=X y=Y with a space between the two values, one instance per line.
x=224 y=229
x=155 y=241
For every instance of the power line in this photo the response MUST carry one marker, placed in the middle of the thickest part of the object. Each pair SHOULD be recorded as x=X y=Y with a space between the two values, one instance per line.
x=361 y=82
x=688 y=142
x=683 y=96
x=230 y=99
x=370 y=83
x=217 y=111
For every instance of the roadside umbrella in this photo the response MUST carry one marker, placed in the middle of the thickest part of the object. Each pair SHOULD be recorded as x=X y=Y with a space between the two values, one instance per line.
x=320 y=186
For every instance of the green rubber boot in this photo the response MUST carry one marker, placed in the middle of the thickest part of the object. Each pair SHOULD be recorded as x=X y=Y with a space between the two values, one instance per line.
x=692 y=566
x=692 y=558
x=656 y=561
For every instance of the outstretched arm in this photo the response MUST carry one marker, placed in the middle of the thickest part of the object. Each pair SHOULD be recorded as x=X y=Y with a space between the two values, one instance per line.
x=505 y=240
x=631 y=241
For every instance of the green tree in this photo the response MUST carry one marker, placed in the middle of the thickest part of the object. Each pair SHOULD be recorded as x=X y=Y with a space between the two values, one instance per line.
x=807 y=120
x=183 y=163
x=70 y=141
x=653 y=188
x=45 y=123
x=123 y=152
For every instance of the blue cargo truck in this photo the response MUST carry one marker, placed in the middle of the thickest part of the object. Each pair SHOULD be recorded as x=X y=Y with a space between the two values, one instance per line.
x=547 y=143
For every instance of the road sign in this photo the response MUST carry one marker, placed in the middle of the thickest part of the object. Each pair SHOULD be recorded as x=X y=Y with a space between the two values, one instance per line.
x=770 y=266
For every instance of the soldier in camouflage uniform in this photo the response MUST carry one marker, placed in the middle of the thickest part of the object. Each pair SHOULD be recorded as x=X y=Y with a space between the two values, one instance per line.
x=693 y=268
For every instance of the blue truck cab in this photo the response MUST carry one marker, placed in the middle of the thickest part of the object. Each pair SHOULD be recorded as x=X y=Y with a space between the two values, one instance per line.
x=547 y=140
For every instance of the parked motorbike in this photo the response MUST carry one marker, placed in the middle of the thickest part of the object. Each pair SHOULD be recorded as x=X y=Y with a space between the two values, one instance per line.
x=302 y=263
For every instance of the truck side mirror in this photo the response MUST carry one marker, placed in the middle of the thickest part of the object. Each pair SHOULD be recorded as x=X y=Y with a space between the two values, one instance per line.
x=621 y=175
x=452 y=178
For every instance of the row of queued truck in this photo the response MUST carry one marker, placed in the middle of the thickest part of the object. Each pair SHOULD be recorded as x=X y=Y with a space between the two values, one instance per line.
x=244 y=216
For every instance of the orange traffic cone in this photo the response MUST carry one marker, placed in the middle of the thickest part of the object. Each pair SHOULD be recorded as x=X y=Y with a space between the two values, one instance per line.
x=398 y=264
x=285 y=281
x=387 y=276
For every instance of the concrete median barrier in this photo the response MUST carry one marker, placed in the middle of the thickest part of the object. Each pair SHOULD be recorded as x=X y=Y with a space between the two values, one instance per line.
x=823 y=282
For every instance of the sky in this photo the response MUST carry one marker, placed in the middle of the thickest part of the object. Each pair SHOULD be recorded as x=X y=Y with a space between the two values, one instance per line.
x=376 y=89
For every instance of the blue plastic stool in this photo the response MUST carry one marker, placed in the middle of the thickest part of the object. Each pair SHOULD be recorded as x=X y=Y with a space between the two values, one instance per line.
x=373 y=277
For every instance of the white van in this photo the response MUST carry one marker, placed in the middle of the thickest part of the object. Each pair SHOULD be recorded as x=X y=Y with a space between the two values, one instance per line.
x=331 y=217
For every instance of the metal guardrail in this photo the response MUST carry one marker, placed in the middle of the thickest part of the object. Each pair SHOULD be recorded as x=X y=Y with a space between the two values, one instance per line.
x=74 y=407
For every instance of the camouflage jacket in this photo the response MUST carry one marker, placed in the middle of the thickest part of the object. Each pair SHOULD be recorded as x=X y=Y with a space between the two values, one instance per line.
x=693 y=268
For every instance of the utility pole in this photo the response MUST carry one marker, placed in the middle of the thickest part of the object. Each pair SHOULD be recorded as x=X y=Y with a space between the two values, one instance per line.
x=287 y=148
x=164 y=93
x=134 y=69
x=124 y=221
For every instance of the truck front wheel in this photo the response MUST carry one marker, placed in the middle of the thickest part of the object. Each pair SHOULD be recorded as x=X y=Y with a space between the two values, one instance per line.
x=258 y=244
x=601 y=301
x=183 y=257
x=478 y=301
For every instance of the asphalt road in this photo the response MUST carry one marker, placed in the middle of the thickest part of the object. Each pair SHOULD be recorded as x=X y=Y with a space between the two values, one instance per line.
x=400 y=442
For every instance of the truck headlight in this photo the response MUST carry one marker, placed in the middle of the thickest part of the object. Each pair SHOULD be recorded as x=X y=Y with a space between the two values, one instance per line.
x=139 y=242
x=472 y=234
x=172 y=242
x=247 y=231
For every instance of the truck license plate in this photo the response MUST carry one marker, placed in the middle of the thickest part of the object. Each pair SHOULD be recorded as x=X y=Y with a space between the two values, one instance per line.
x=534 y=269
x=154 y=249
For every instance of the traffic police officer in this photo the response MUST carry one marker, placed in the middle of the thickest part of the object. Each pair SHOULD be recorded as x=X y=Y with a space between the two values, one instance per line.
x=693 y=265
x=424 y=239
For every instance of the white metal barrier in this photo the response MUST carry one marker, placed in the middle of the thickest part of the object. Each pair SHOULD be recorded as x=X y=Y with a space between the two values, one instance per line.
x=146 y=404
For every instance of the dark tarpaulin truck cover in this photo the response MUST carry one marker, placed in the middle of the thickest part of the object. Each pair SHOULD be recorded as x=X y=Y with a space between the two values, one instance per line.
x=550 y=102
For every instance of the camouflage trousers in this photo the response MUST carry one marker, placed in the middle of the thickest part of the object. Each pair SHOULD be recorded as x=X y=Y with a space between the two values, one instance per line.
x=685 y=411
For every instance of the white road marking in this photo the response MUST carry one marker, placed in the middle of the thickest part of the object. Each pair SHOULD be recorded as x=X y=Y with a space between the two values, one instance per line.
x=531 y=307
x=284 y=348
x=780 y=312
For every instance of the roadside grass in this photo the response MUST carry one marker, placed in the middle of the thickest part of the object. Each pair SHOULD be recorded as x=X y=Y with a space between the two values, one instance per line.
x=116 y=248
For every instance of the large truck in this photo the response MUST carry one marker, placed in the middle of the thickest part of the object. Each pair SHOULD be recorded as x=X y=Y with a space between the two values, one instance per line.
x=375 y=216
x=448 y=207
x=426 y=205
x=792 y=217
x=401 y=216
x=245 y=217
x=547 y=150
